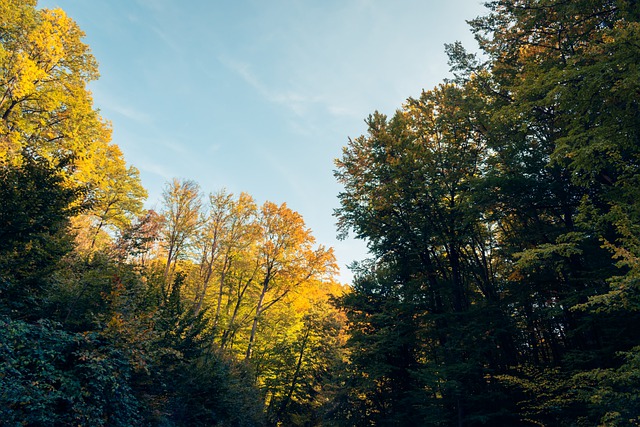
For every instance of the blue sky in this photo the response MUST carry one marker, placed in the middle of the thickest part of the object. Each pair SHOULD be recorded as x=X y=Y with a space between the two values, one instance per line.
x=261 y=95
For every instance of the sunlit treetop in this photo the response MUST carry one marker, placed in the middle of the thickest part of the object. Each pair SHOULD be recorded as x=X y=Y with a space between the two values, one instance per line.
x=45 y=107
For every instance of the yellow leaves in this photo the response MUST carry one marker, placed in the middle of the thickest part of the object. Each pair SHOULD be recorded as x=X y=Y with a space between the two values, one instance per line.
x=47 y=41
x=116 y=192
x=9 y=145
x=315 y=292
x=27 y=74
x=46 y=109
x=44 y=68
x=34 y=56
x=531 y=52
x=117 y=322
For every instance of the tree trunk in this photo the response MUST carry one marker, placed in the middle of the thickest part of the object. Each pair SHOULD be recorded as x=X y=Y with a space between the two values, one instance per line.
x=254 y=327
x=294 y=380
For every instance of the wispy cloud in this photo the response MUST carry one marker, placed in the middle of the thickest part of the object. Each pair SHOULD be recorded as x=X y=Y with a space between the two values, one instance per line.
x=154 y=6
x=330 y=100
x=167 y=39
x=130 y=113
x=339 y=111
x=109 y=104
x=155 y=168
x=178 y=147
x=297 y=102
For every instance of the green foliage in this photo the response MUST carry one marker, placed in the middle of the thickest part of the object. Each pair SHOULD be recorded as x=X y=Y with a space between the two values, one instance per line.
x=213 y=389
x=492 y=207
x=301 y=369
x=35 y=207
x=611 y=394
x=387 y=381
x=181 y=377
x=52 y=377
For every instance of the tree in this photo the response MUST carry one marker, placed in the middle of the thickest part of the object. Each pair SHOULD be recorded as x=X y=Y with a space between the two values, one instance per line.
x=430 y=300
x=45 y=107
x=52 y=377
x=237 y=247
x=108 y=339
x=228 y=228
x=209 y=244
x=46 y=111
x=566 y=117
x=304 y=363
x=286 y=258
x=117 y=196
x=35 y=207
x=181 y=211
x=140 y=239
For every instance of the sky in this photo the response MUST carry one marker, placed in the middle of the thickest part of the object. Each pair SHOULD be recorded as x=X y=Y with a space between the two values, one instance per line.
x=260 y=96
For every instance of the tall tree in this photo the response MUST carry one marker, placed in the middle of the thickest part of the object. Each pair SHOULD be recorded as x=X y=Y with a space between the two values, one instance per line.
x=35 y=208
x=287 y=259
x=181 y=210
x=47 y=112
x=410 y=191
x=566 y=121
x=45 y=106
x=229 y=228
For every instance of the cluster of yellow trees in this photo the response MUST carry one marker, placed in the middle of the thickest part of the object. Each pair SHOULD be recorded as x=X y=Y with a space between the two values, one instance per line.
x=255 y=269
x=253 y=272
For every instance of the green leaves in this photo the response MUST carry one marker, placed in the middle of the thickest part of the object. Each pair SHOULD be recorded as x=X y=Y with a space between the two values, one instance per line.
x=35 y=208
x=612 y=393
x=50 y=376
x=492 y=208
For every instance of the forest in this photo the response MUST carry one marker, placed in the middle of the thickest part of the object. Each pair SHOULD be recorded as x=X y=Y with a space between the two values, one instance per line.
x=501 y=210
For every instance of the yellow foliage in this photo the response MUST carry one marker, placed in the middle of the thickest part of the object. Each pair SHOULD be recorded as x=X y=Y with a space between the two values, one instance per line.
x=44 y=104
x=47 y=112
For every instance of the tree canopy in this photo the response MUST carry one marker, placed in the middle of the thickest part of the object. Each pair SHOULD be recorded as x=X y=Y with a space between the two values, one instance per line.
x=500 y=208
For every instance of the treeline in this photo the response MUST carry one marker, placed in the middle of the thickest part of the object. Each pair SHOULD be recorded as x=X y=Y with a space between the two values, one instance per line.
x=211 y=311
x=501 y=210
x=502 y=213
